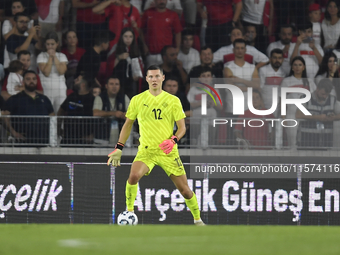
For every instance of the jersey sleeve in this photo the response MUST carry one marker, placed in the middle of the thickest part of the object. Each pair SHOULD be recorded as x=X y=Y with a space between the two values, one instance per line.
x=63 y=58
x=132 y=109
x=42 y=58
x=177 y=27
x=178 y=110
x=259 y=57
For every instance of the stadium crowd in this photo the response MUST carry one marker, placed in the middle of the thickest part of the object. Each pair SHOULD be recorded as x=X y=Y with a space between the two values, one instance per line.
x=87 y=58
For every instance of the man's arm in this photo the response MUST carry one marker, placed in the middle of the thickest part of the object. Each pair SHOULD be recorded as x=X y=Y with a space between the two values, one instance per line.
x=297 y=46
x=8 y=123
x=78 y=4
x=238 y=10
x=100 y=8
x=321 y=117
x=181 y=129
x=101 y=113
x=178 y=38
x=27 y=42
x=126 y=130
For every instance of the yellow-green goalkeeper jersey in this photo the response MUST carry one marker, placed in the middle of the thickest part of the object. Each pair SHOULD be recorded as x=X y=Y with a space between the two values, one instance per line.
x=156 y=117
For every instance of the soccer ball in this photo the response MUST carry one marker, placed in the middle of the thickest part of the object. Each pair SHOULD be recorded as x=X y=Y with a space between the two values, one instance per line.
x=127 y=218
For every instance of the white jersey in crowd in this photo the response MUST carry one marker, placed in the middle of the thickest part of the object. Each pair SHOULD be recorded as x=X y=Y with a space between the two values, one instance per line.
x=52 y=14
x=252 y=11
x=337 y=53
x=189 y=60
x=293 y=82
x=13 y=80
x=286 y=57
x=312 y=63
x=171 y=5
x=245 y=72
x=252 y=56
x=317 y=32
x=270 y=79
x=330 y=32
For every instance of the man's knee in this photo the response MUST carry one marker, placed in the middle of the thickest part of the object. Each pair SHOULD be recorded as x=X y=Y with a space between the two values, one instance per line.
x=134 y=178
x=186 y=192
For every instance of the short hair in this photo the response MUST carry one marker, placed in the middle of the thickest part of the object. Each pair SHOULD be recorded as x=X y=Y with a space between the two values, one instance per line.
x=305 y=25
x=164 y=49
x=325 y=84
x=239 y=40
x=286 y=26
x=27 y=72
x=205 y=48
x=15 y=66
x=52 y=35
x=276 y=51
x=238 y=28
x=186 y=32
x=23 y=52
x=112 y=77
x=154 y=67
x=101 y=37
x=204 y=69
x=171 y=78
x=20 y=14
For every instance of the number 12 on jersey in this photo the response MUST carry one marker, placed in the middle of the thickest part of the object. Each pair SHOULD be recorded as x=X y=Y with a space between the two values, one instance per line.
x=157 y=111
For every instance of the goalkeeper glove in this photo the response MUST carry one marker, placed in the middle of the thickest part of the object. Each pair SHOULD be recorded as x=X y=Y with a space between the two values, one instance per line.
x=168 y=144
x=115 y=156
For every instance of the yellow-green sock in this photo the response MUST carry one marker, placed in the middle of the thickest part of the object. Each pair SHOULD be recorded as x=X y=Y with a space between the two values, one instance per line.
x=130 y=193
x=193 y=206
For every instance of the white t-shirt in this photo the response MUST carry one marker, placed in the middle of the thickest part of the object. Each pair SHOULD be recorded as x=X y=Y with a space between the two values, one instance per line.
x=189 y=60
x=54 y=80
x=252 y=11
x=245 y=72
x=312 y=64
x=293 y=82
x=137 y=4
x=171 y=5
x=53 y=13
x=252 y=56
x=317 y=32
x=269 y=80
x=13 y=80
x=331 y=33
x=286 y=60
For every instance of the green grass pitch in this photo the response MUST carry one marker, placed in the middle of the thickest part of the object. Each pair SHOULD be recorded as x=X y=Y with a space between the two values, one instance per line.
x=167 y=239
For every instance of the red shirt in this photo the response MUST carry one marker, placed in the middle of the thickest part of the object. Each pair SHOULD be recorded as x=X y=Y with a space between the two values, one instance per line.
x=88 y=16
x=4 y=85
x=257 y=136
x=159 y=28
x=74 y=58
x=219 y=11
x=121 y=17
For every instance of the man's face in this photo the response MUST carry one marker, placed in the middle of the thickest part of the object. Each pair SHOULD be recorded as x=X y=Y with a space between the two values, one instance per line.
x=206 y=78
x=170 y=57
x=160 y=4
x=322 y=95
x=286 y=35
x=171 y=87
x=257 y=101
x=26 y=60
x=276 y=60
x=112 y=86
x=30 y=82
x=155 y=79
x=236 y=34
x=105 y=45
x=188 y=41
x=71 y=39
x=239 y=50
x=308 y=32
x=22 y=24
x=251 y=33
x=206 y=57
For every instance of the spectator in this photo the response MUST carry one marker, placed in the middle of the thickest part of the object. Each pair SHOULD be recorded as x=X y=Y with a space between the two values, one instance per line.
x=18 y=41
x=29 y=102
x=331 y=25
x=317 y=130
x=89 y=64
x=121 y=14
x=172 y=66
x=254 y=18
x=79 y=103
x=187 y=54
x=73 y=53
x=252 y=56
x=160 y=25
x=29 y=6
x=315 y=17
x=328 y=68
x=16 y=70
x=24 y=57
x=50 y=16
x=271 y=76
x=221 y=20
x=255 y=137
x=297 y=79
x=306 y=48
x=52 y=66
x=96 y=90
x=240 y=73
x=88 y=22
x=170 y=85
x=8 y=27
x=112 y=105
x=285 y=44
x=173 y=5
x=206 y=57
x=128 y=64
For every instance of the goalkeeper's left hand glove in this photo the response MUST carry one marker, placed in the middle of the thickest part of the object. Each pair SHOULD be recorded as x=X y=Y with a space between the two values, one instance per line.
x=115 y=156
x=168 y=144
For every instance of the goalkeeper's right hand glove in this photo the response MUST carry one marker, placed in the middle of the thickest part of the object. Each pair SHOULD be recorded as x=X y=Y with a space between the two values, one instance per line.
x=115 y=156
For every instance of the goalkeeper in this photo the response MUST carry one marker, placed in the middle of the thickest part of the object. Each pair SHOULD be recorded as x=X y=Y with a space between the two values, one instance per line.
x=156 y=111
